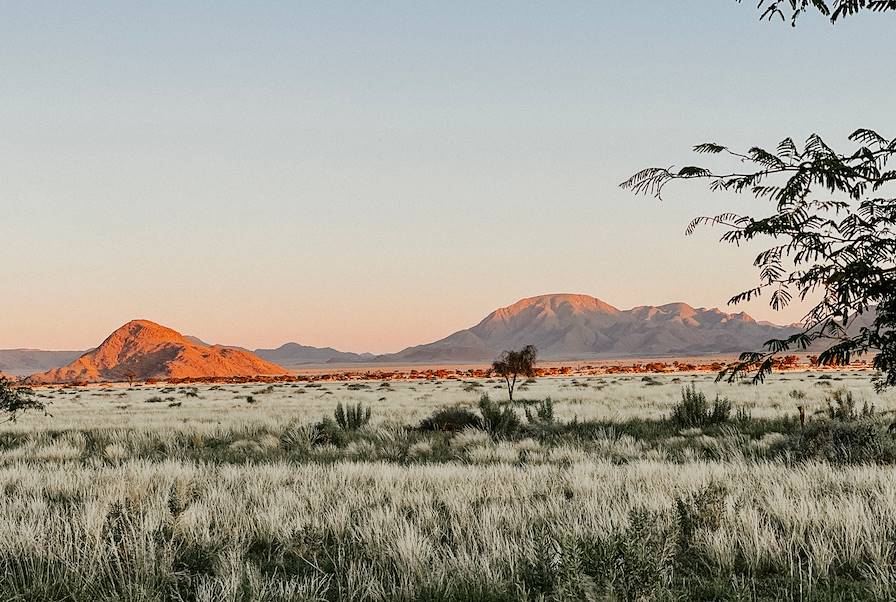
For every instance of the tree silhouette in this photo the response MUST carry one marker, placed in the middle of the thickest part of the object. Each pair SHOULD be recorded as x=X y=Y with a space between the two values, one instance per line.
x=14 y=400
x=513 y=364
x=129 y=375
x=833 y=229
x=792 y=10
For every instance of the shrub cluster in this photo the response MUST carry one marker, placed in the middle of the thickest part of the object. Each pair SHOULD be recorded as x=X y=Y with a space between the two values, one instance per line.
x=695 y=411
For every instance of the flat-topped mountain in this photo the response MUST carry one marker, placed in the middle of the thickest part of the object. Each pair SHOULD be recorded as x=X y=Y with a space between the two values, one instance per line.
x=142 y=349
x=20 y=362
x=564 y=326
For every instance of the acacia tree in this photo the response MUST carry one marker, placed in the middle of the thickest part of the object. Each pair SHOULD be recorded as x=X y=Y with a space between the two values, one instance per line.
x=792 y=10
x=832 y=229
x=14 y=400
x=129 y=375
x=513 y=364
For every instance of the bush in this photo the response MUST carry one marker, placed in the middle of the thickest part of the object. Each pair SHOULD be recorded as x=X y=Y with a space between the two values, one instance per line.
x=351 y=417
x=862 y=441
x=694 y=411
x=327 y=432
x=297 y=436
x=544 y=413
x=500 y=422
x=704 y=509
x=451 y=419
x=14 y=400
x=841 y=406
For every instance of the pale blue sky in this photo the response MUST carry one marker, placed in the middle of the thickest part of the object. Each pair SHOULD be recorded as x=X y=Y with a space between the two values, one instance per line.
x=373 y=175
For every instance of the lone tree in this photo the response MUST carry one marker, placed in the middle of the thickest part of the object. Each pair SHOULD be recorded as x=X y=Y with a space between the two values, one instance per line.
x=513 y=364
x=130 y=375
x=15 y=400
x=831 y=229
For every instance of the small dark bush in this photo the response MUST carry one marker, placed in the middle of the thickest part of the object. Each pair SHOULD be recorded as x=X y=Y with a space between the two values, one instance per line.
x=327 y=432
x=451 y=419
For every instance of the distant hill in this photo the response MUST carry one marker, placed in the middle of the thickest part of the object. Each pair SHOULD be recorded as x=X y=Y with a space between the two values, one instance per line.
x=144 y=350
x=293 y=354
x=28 y=361
x=567 y=327
x=562 y=326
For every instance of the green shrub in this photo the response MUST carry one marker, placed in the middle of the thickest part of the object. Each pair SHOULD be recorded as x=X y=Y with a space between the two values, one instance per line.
x=451 y=419
x=351 y=417
x=556 y=569
x=500 y=422
x=297 y=437
x=797 y=394
x=327 y=432
x=704 y=509
x=694 y=410
x=634 y=564
x=544 y=413
x=841 y=406
x=860 y=441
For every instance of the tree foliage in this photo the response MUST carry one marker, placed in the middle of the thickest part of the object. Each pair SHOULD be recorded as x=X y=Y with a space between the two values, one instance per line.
x=833 y=236
x=513 y=364
x=833 y=227
x=14 y=400
x=792 y=10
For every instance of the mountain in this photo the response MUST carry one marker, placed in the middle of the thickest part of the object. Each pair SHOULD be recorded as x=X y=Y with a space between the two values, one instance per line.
x=562 y=326
x=566 y=327
x=293 y=354
x=28 y=361
x=144 y=349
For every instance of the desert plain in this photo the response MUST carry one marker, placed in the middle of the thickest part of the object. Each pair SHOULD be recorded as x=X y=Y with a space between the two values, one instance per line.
x=257 y=491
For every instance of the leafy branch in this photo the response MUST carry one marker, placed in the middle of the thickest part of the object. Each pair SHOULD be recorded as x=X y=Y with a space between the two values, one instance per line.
x=834 y=235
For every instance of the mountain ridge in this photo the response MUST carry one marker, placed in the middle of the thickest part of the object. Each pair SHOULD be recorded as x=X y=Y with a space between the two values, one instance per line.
x=564 y=326
x=143 y=350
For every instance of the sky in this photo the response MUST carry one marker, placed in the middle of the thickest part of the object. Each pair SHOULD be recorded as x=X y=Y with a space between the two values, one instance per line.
x=372 y=175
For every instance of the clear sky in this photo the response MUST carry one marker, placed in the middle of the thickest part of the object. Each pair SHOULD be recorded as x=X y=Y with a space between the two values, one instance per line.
x=370 y=175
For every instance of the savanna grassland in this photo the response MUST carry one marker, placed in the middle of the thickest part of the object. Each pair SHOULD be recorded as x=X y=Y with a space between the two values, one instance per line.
x=665 y=487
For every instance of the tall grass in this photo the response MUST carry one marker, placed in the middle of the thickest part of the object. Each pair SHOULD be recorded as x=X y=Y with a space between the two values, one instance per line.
x=349 y=531
x=437 y=493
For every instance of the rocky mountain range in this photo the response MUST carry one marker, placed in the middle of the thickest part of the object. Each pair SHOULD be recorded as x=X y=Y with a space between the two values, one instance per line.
x=293 y=354
x=575 y=327
x=561 y=326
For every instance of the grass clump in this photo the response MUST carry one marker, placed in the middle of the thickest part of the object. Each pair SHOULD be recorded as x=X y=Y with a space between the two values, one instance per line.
x=352 y=417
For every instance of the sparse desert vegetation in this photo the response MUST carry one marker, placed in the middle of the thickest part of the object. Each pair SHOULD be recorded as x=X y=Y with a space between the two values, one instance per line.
x=604 y=488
